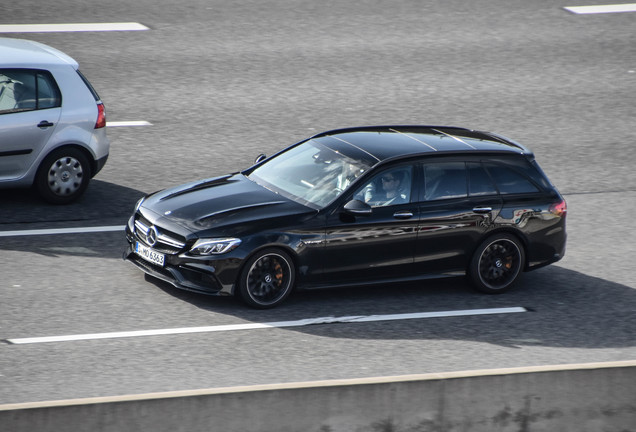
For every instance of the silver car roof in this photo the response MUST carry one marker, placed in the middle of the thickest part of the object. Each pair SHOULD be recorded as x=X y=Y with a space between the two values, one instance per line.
x=22 y=53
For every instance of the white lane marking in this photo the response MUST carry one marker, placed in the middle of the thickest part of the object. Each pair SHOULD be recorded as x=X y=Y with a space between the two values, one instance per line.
x=599 y=9
x=72 y=27
x=78 y=230
x=280 y=324
x=128 y=123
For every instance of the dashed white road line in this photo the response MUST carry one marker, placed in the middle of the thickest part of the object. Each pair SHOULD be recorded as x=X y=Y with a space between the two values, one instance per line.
x=599 y=9
x=72 y=27
x=127 y=123
x=280 y=324
x=50 y=231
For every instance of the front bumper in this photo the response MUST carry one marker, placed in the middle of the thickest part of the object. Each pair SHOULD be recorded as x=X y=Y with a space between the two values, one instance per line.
x=191 y=274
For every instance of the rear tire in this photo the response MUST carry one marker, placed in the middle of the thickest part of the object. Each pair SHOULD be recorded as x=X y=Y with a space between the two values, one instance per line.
x=267 y=279
x=497 y=263
x=63 y=176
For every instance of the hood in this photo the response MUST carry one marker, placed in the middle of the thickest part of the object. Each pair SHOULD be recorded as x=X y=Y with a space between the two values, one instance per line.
x=219 y=202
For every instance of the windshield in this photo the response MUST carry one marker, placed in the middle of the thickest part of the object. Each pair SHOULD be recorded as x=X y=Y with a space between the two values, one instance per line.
x=309 y=173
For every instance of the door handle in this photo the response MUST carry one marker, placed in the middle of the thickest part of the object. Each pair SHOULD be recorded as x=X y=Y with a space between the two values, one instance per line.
x=405 y=214
x=45 y=124
x=482 y=210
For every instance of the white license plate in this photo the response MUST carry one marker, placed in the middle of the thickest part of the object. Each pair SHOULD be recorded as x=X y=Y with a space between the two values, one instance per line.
x=149 y=254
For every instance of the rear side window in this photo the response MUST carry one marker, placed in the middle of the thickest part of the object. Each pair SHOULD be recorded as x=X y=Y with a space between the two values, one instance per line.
x=509 y=180
x=537 y=174
x=479 y=182
x=27 y=90
x=445 y=180
x=48 y=93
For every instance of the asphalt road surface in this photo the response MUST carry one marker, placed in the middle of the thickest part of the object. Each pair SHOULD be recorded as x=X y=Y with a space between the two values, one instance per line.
x=220 y=82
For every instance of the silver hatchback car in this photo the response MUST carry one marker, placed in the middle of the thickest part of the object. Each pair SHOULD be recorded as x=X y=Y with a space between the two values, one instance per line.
x=52 y=122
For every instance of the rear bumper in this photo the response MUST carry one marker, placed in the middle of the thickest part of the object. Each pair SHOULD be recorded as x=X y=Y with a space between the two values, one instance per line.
x=551 y=253
x=98 y=165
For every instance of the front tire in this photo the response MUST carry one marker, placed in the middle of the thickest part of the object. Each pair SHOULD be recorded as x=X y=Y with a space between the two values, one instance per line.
x=497 y=263
x=267 y=279
x=63 y=176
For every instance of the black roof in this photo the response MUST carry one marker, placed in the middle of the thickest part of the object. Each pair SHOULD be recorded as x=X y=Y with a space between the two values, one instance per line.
x=379 y=143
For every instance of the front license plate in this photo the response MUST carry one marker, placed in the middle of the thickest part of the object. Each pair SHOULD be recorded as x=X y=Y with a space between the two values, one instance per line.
x=149 y=255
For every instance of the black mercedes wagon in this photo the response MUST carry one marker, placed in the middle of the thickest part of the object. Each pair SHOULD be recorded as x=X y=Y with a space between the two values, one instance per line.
x=356 y=206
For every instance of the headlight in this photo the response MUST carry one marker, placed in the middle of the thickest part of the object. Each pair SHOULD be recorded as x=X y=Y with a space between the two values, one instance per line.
x=214 y=246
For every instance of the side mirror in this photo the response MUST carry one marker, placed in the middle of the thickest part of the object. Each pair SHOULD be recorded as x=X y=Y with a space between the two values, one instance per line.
x=358 y=208
x=261 y=157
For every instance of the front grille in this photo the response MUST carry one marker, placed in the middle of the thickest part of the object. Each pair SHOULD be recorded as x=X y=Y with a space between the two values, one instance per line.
x=166 y=242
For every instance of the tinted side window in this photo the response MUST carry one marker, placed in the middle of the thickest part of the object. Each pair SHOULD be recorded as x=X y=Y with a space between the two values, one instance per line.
x=527 y=167
x=48 y=92
x=479 y=182
x=537 y=174
x=510 y=181
x=445 y=180
x=390 y=187
x=17 y=90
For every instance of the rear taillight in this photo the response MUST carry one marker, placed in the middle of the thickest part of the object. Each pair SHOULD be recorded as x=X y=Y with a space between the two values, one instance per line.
x=101 y=116
x=559 y=209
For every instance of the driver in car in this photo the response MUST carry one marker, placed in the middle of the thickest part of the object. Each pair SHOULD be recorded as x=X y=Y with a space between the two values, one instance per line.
x=392 y=192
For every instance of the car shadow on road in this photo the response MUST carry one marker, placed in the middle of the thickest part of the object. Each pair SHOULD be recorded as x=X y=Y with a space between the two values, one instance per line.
x=101 y=201
x=565 y=308
x=104 y=204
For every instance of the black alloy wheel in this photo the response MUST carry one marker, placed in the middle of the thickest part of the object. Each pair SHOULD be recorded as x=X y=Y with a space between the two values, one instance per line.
x=267 y=279
x=497 y=263
x=63 y=176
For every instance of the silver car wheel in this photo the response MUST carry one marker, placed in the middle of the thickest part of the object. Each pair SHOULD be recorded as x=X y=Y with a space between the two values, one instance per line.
x=65 y=176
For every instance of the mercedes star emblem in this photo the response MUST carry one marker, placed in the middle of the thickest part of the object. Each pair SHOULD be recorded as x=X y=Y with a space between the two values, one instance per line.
x=151 y=237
